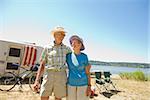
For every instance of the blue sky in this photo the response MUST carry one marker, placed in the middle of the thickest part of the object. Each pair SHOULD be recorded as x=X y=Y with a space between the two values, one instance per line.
x=112 y=30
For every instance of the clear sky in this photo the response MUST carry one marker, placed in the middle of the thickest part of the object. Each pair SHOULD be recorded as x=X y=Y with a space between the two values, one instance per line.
x=112 y=30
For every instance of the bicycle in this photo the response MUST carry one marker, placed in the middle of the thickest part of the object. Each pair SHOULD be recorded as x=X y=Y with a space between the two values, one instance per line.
x=9 y=80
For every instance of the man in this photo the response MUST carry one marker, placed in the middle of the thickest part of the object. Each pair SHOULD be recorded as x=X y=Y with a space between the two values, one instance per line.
x=53 y=64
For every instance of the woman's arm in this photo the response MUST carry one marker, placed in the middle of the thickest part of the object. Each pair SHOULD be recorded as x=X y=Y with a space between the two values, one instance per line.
x=87 y=69
x=88 y=91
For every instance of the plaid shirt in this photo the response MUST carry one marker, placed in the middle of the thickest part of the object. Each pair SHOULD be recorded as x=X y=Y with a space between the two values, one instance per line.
x=55 y=56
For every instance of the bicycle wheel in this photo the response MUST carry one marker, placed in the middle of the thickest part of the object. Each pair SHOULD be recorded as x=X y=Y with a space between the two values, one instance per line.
x=32 y=80
x=7 y=81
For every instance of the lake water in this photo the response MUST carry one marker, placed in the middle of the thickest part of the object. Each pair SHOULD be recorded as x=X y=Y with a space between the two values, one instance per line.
x=117 y=70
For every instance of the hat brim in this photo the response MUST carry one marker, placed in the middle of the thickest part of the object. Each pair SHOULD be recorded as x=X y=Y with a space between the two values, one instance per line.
x=82 y=48
x=54 y=32
x=79 y=39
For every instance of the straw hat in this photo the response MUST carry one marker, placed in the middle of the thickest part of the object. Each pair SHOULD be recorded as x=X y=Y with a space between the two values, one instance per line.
x=75 y=37
x=58 y=29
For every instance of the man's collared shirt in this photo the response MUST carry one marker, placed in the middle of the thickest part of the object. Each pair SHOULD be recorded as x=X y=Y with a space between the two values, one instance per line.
x=55 y=56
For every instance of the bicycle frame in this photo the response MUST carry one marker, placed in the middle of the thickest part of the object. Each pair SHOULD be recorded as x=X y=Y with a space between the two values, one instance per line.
x=23 y=75
x=10 y=80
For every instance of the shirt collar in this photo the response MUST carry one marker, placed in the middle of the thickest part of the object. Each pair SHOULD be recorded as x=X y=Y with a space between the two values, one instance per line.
x=58 y=45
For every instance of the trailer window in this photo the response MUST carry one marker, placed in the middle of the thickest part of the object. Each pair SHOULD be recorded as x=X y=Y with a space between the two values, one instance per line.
x=15 y=52
x=12 y=66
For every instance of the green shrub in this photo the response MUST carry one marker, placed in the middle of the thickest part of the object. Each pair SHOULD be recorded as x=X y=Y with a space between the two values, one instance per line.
x=137 y=75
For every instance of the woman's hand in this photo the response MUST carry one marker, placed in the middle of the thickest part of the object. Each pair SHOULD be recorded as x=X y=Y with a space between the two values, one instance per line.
x=88 y=91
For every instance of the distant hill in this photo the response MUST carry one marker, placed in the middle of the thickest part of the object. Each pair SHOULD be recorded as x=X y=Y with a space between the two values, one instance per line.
x=121 y=64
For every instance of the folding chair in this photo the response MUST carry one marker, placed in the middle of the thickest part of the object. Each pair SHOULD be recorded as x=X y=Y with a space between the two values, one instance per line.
x=105 y=82
x=99 y=80
x=108 y=79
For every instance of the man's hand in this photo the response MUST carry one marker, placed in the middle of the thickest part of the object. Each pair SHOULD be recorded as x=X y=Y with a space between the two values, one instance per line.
x=36 y=86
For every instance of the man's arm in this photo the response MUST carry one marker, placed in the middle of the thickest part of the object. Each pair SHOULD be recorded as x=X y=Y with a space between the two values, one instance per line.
x=68 y=50
x=40 y=71
x=43 y=60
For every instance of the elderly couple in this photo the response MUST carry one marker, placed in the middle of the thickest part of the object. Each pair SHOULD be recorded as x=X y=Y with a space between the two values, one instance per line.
x=54 y=61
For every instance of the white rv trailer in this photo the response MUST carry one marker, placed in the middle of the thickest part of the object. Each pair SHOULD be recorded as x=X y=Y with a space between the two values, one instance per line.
x=13 y=53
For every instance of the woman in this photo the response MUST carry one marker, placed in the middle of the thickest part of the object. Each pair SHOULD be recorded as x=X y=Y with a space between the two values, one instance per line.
x=79 y=85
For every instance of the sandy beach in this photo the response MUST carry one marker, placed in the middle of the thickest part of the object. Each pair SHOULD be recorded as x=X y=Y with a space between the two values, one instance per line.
x=126 y=90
